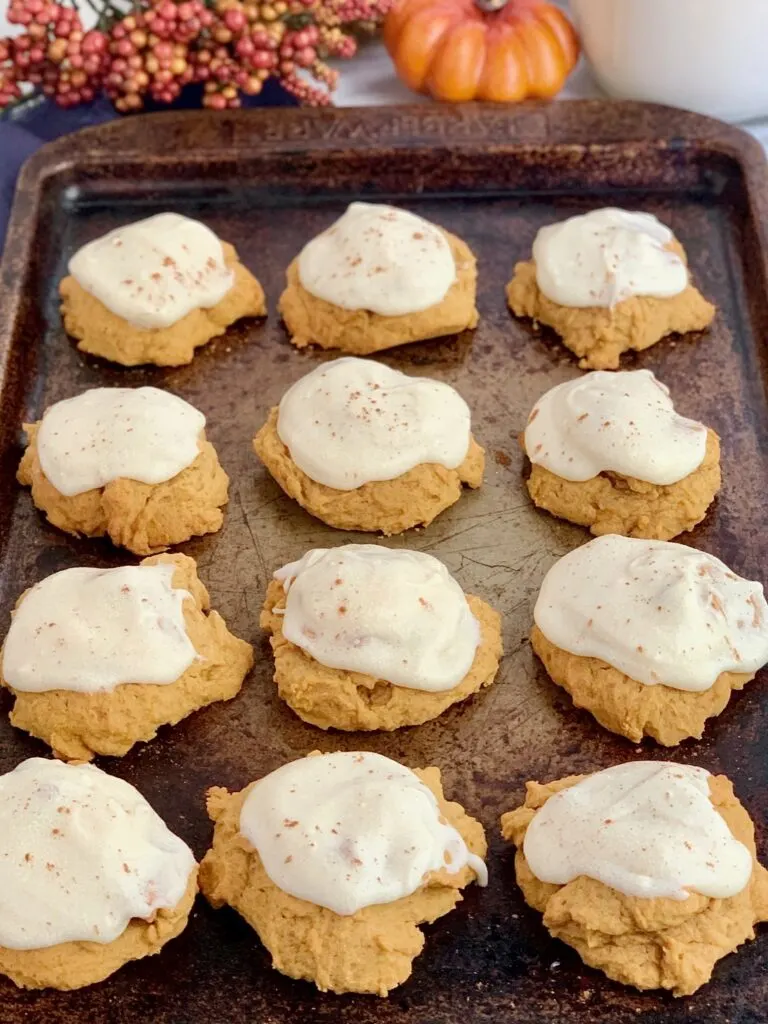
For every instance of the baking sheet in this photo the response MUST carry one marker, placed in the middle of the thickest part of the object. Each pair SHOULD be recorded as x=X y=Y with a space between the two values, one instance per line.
x=267 y=181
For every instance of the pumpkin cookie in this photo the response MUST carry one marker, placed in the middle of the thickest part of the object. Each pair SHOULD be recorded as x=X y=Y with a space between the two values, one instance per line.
x=130 y=464
x=648 y=870
x=377 y=278
x=608 y=281
x=99 y=659
x=608 y=451
x=90 y=877
x=649 y=637
x=336 y=859
x=365 y=637
x=154 y=291
x=363 y=447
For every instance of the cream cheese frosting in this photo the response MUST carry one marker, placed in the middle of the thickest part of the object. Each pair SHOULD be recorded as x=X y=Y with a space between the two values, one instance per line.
x=624 y=422
x=393 y=614
x=646 y=829
x=381 y=259
x=81 y=854
x=104 y=434
x=90 y=630
x=351 y=421
x=350 y=830
x=156 y=271
x=605 y=256
x=659 y=612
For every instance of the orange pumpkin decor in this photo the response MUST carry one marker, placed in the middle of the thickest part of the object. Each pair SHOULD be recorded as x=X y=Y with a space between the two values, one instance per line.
x=502 y=50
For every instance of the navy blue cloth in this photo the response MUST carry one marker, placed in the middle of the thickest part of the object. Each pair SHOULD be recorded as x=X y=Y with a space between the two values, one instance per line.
x=40 y=124
x=16 y=144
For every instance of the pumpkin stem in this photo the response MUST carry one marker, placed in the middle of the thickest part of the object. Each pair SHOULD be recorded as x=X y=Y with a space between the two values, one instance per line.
x=490 y=6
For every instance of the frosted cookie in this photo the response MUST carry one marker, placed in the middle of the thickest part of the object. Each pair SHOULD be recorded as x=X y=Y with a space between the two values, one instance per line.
x=366 y=637
x=363 y=447
x=649 y=637
x=647 y=869
x=608 y=281
x=336 y=859
x=90 y=876
x=379 y=277
x=608 y=451
x=154 y=291
x=99 y=659
x=131 y=464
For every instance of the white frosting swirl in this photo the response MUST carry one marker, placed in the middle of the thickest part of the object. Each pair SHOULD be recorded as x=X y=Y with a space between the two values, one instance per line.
x=658 y=612
x=156 y=271
x=350 y=830
x=81 y=854
x=381 y=259
x=106 y=434
x=624 y=422
x=351 y=421
x=646 y=829
x=392 y=614
x=90 y=630
x=605 y=256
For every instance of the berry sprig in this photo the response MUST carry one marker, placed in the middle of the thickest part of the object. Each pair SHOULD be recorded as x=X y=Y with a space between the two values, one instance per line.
x=53 y=53
x=230 y=46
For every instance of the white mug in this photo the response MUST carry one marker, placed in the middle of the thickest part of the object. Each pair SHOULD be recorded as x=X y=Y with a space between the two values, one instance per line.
x=705 y=55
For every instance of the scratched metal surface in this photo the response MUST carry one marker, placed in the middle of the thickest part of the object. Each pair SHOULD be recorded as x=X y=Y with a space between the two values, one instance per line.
x=267 y=183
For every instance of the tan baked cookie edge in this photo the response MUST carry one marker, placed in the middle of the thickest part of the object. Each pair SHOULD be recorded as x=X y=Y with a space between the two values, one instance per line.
x=78 y=726
x=313 y=321
x=630 y=708
x=102 y=333
x=414 y=499
x=345 y=954
x=570 y=912
x=351 y=701
x=600 y=336
x=143 y=518
x=74 y=965
x=615 y=503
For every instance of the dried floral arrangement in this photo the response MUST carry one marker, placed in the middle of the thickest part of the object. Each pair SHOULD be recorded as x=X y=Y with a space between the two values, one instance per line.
x=157 y=47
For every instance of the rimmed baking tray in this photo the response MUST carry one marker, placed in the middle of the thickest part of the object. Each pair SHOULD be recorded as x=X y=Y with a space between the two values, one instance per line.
x=267 y=181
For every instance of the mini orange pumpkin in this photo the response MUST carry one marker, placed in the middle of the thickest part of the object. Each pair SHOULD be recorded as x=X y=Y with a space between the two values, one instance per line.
x=460 y=50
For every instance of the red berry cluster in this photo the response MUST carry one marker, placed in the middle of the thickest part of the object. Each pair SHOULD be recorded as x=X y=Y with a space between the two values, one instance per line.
x=53 y=53
x=231 y=46
x=149 y=52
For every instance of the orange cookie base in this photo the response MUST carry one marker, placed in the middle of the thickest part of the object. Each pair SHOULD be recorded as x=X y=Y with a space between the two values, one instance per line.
x=334 y=699
x=313 y=321
x=144 y=518
x=614 y=503
x=73 y=965
x=647 y=943
x=370 y=951
x=79 y=725
x=382 y=506
x=632 y=709
x=599 y=336
x=100 y=332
